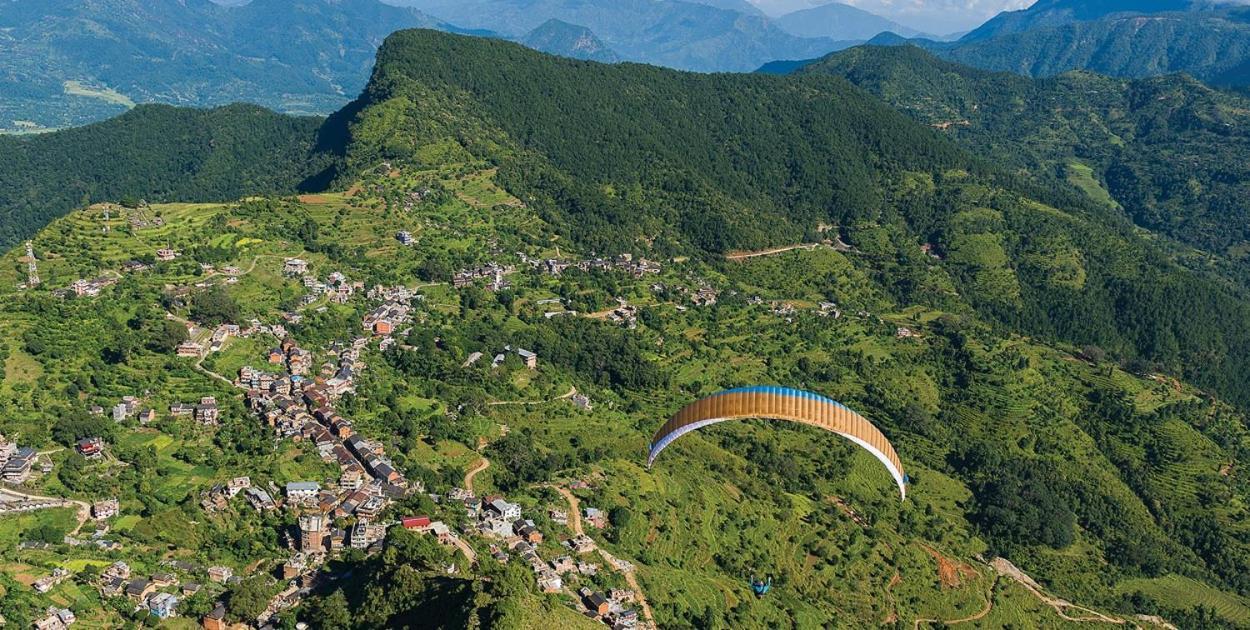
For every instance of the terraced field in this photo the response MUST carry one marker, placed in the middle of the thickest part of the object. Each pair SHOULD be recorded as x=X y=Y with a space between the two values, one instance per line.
x=1183 y=591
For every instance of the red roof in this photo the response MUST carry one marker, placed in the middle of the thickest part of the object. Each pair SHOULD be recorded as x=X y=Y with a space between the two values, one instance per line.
x=413 y=522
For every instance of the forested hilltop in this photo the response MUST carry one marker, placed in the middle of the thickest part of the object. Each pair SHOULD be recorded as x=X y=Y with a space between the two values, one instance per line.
x=153 y=153
x=1170 y=152
x=634 y=158
x=1123 y=38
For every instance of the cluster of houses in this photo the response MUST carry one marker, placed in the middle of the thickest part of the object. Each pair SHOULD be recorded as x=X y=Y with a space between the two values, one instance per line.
x=132 y=407
x=408 y=200
x=514 y=536
x=611 y=608
x=530 y=359
x=217 y=498
x=160 y=593
x=303 y=409
x=624 y=314
x=206 y=412
x=16 y=462
x=224 y=332
x=87 y=288
x=492 y=271
x=106 y=509
x=56 y=619
x=49 y=582
x=166 y=254
x=702 y=296
x=625 y=263
x=386 y=319
x=336 y=286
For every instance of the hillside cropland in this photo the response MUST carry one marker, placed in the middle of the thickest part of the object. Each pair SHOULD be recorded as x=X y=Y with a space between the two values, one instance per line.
x=422 y=395
x=1169 y=152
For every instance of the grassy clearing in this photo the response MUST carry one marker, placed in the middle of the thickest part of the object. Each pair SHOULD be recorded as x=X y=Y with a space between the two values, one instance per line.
x=1082 y=176
x=106 y=94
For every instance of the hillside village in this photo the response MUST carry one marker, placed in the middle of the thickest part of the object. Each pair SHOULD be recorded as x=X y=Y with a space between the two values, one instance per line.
x=322 y=402
x=294 y=396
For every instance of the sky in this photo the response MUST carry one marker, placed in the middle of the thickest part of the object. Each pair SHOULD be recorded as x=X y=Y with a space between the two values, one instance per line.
x=938 y=17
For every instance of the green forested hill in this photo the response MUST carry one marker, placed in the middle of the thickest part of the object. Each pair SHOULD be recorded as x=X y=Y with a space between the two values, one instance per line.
x=1019 y=345
x=631 y=158
x=157 y=153
x=1211 y=45
x=1122 y=38
x=1172 y=152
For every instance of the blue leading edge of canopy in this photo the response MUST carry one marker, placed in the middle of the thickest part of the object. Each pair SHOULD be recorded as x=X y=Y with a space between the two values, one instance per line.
x=780 y=391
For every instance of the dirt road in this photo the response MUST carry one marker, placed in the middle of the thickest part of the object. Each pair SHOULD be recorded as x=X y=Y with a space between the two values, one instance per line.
x=1006 y=569
x=769 y=252
x=575 y=523
x=468 y=476
x=84 y=509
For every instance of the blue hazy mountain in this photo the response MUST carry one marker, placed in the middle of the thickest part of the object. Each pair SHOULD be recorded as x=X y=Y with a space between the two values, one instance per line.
x=673 y=33
x=569 y=40
x=67 y=62
x=841 y=22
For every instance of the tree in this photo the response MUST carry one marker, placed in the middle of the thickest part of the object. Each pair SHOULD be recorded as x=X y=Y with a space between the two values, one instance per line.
x=214 y=306
x=330 y=612
x=249 y=599
x=165 y=336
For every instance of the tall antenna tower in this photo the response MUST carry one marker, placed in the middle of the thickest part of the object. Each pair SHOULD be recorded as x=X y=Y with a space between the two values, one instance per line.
x=32 y=267
x=106 y=219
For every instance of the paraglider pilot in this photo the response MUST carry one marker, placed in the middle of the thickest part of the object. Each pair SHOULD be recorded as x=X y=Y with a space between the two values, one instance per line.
x=761 y=587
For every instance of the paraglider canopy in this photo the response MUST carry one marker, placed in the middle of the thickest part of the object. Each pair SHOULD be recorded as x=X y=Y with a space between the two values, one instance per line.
x=781 y=403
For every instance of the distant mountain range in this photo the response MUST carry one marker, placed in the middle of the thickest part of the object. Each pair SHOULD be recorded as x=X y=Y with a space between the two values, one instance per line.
x=842 y=22
x=1051 y=13
x=943 y=17
x=69 y=62
x=1123 y=38
x=569 y=40
x=673 y=33
x=66 y=62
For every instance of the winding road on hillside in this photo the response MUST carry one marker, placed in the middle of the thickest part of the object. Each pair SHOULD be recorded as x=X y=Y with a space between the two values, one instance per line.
x=84 y=509
x=770 y=252
x=989 y=606
x=468 y=476
x=575 y=523
x=1006 y=569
